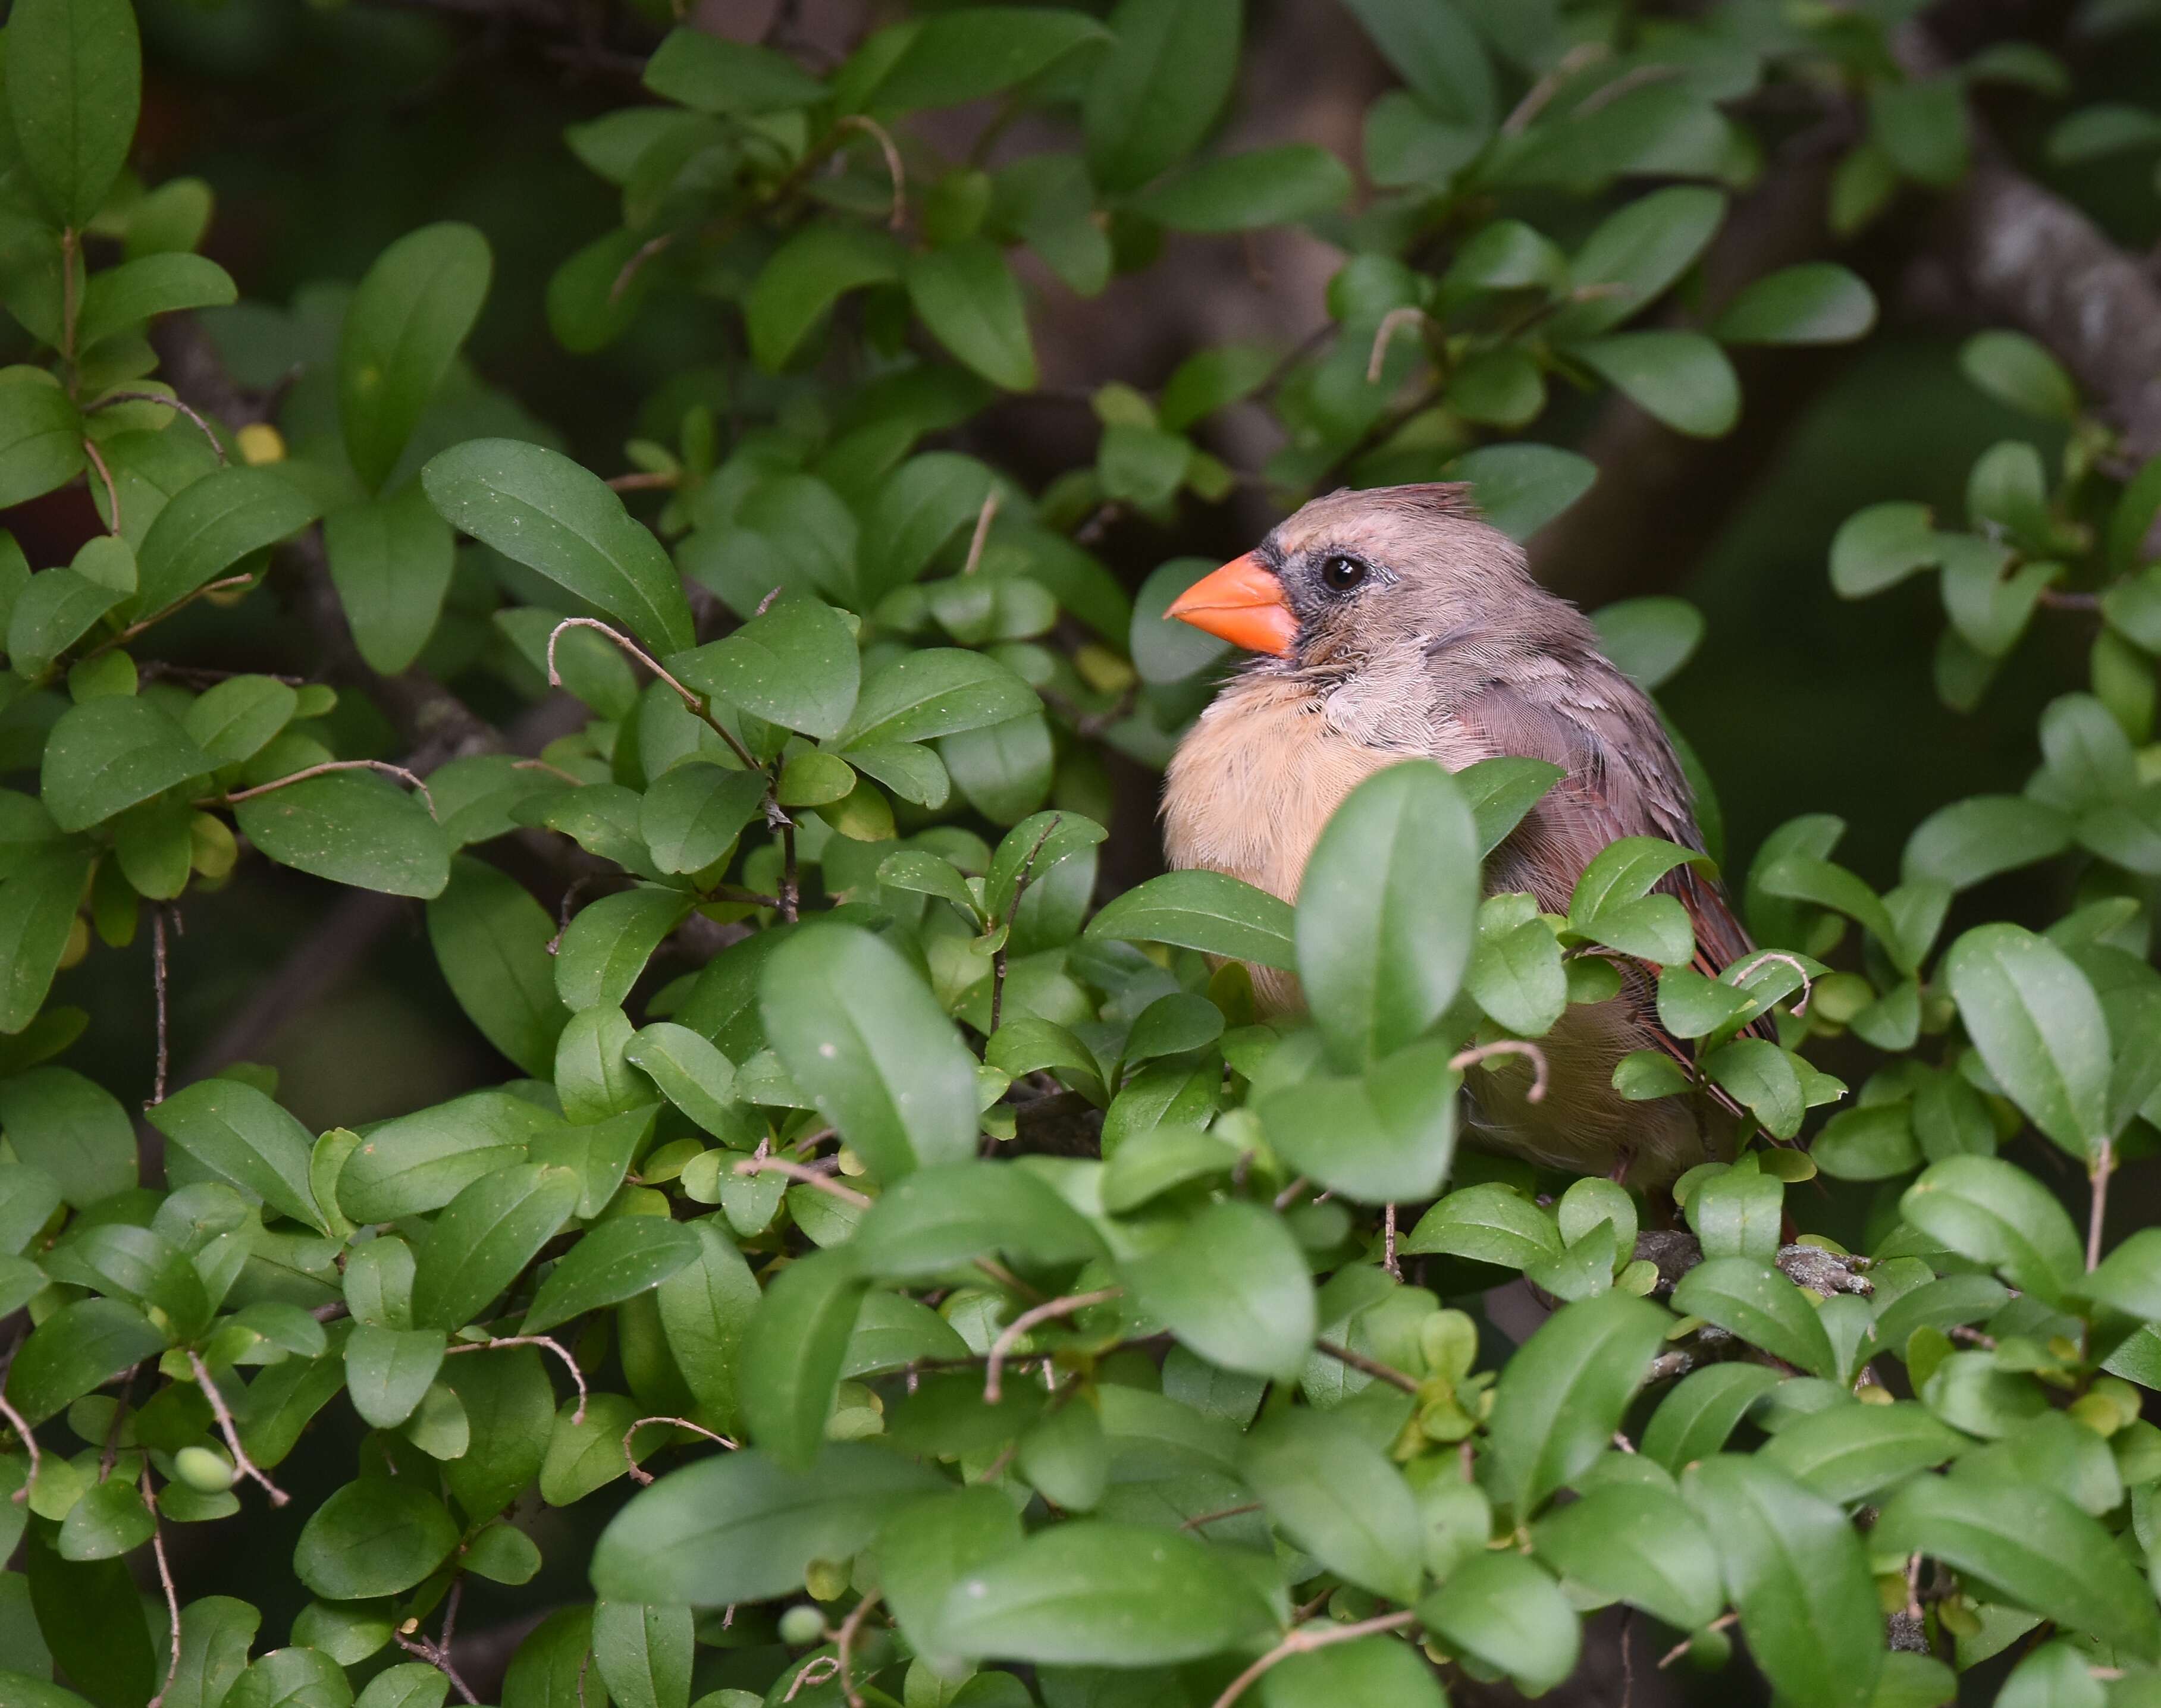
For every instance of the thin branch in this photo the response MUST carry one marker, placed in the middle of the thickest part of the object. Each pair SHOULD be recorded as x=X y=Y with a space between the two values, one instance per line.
x=984 y=517
x=2104 y=1165
x=1681 y=1647
x=194 y=415
x=693 y=703
x=639 y=1473
x=1373 y=1367
x=172 y=1594
x=1541 y=93
x=436 y=1658
x=1808 y=988
x=1020 y=889
x=157 y=984
x=1307 y=1638
x=826 y=1667
x=328 y=765
x=645 y=480
x=844 y=1645
x=1388 y=1242
x=1199 y=1519
x=1508 y=1046
x=1289 y=1196
x=22 y=1429
x=1010 y=1335
x=631 y=267
x=553 y=1345
x=1392 y=323
x=808 y=1176
x=158 y=617
x=871 y=127
x=112 y=491
x=246 y=1466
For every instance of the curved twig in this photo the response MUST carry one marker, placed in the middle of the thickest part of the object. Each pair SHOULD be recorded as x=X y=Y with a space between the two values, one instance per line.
x=1373 y=1367
x=984 y=519
x=112 y=491
x=15 y=1422
x=328 y=765
x=1744 y=968
x=1009 y=1337
x=553 y=1345
x=1392 y=323
x=172 y=1595
x=638 y=1474
x=693 y=702
x=809 y=1176
x=194 y=415
x=246 y=1466
x=871 y=126
x=1508 y=1046
x=1312 y=1637
x=631 y=269
x=845 y=1642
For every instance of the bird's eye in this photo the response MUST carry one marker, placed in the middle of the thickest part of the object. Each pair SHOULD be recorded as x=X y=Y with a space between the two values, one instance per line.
x=1340 y=574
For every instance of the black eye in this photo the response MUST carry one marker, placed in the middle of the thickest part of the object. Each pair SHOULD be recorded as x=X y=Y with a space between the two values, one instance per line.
x=1340 y=573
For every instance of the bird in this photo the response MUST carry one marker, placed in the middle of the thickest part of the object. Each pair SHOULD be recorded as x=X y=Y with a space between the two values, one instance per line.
x=1393 y=624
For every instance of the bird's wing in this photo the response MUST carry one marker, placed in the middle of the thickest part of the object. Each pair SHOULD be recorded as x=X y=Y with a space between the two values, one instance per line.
x=1622 y=780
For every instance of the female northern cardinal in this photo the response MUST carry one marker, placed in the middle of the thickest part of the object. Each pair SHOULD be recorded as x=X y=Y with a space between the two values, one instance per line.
x=1394 y=623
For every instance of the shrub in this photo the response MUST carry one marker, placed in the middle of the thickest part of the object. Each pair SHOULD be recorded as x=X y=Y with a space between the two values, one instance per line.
x=954 y=1288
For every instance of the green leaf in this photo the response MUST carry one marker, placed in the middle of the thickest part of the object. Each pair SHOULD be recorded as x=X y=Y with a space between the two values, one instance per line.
x=739 y=1527
x=961 y=57
x=603 y=949
x=377 y=1536
x=807 y=275
x=2035 y=1020
x=40 y=436
x=705 y=1307
x=241 y=1136
x=510 y=1409
x=691 y=817
x=1488 y=1224
x=216 y=1632
x=391 y=561
x=712 y=74
x=351 y=827
x=792 y=1354
x=1387 y=911
x=1436 y=53
x=414 y=1684
x=1759 y=1304
x=118 y=299
x=613 y=1261
x=1694 y=1420
x=1680 y=378
x=1875 y=1142
x=1818 y=302
x=1337 y=1495
x=1648 y=639
x=1561 y=1397
x=484 y=1236
x=55 y=610
x=1846 y=1453
x=1077 y=1592
x=388 y=1371
x=37 y=915
x=1976 y=838
x=795 y=666
x=79 y=1347
x=1639 y=1544
x=692 y=1075
x=1276 y=186
x=537 y=506
x=1160 y=90
x=941 y=1219
x=88 y=1613
x=644 y=1653
x=2030 y=1546
x=1365 y=1669
x=969 y=299
x=1798 y=1576
x=491 y=939
x=2020 y=371
x=1998 y=1215
x=210 y=525
x=1762 y=1078
x=105 y=755
x=1634 y=255
x=1506 y=1611
x=1233 y=1289
x=1209 y=911
x=935 y=691
x=1521 y=487
x=1387 y=1137
x=859 y=1031
x=71 y=1127
x=238 y=719
x=75 y=83
x=412 y=310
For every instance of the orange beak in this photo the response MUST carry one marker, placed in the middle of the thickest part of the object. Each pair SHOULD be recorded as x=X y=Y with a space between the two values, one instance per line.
x=1242 y=602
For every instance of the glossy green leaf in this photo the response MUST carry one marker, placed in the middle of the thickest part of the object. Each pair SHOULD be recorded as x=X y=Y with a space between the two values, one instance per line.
x=1759 y=1304
x=1273 y=186
x=238 y=1133
x=1680 y=378
x=75 y=75
x=969 y=299
x=1560 y=1398
x=351 y=827
x=1338 y=1497
x=79 y=1347
x=105 y=755
x=944 y=1218
x=412 y=310
x=1505 y=1611
x=936 y=691
x=376 y=1536
x=1387 y=911
x=539 y=508
x=796 y=665
x=613 y=1261
x=604 y=948
x=71 y=1127
x=963 y=56
x=484 y=1236
x=388 y=1371
x=211 y=525
x=1207 y=910
x=792 y=1354
x=1159 y=90
x=644 y=1653
x=1818 y=302
x=390 y=560
x=491 y=941
x=1998 y=1215
x=1385 y=1136
x=1797 y=1575
x=2034 y=1017
x=1234 y=1289
x=1846 y=1453
x=1639 y=1544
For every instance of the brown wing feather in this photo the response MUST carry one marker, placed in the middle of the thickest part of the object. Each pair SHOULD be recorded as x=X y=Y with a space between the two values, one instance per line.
x=1622 y=780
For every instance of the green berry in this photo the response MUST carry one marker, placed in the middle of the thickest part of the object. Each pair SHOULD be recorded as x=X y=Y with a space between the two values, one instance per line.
x=801 y=1625
x=203 y=1469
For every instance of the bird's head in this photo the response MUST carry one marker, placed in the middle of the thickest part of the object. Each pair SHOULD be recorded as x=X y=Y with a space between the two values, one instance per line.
x=1356 y=577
